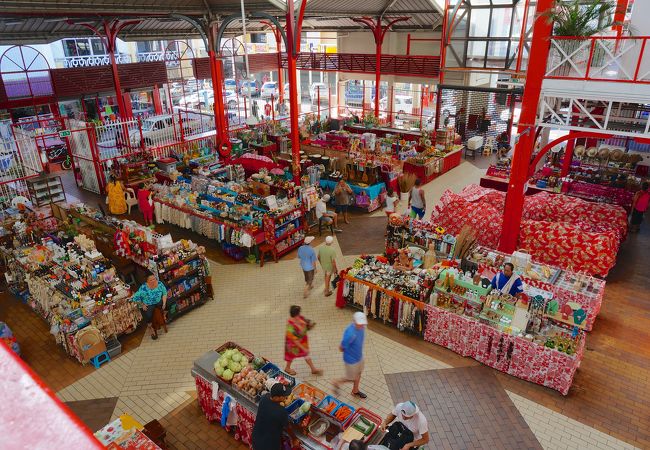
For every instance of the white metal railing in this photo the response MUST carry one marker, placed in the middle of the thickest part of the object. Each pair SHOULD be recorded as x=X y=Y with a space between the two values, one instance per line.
x=92 y=60
x=19 y=158
x=600 y=58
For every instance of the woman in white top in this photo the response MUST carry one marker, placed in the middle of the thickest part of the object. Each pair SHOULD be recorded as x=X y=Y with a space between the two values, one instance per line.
x=391 y=203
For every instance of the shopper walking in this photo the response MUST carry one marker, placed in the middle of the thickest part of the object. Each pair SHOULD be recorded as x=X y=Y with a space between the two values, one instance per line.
x=417 y=201
x=342 y=195
x=307 y=257
x=151 y=296
x=296 y=343
x=272 y=420
x=407 y=427
x=115 y=197
x=145 y=203
x=392 y=200
x=352 y=348
x=640 y=203
x=327 y=259
x=324 y=216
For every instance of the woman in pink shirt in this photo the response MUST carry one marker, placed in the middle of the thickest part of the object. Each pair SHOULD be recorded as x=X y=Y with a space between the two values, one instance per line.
x=145 y=203
x=639 y=207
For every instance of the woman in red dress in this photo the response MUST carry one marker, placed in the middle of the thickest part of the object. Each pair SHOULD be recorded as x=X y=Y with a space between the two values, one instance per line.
x=145 y=203
x=296 y=341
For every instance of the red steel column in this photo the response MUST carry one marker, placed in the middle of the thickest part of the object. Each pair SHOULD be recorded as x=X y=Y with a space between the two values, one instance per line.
x=157 y=103
x=293 y=32
x=378 y=43
x=521 y=159
x=220 y=122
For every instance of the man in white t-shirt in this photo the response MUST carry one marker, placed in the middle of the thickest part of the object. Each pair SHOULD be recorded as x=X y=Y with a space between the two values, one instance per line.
x=410 y=415
x=325 y=216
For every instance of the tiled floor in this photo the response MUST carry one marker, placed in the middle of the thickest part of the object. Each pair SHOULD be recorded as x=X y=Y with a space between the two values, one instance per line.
x=466 y=408
x=607 y=408
x=94 y=413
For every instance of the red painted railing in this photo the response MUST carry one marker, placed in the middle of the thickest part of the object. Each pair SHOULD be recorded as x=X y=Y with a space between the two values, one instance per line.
x=600 y=58
x=428 y=66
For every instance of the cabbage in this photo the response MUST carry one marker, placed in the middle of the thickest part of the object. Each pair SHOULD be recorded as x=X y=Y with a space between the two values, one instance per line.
x=227 y=374
x=219 y=370
x=234 y=366
x=223 y=361
x=236 y=356
x=244 y=361
x=228 y=353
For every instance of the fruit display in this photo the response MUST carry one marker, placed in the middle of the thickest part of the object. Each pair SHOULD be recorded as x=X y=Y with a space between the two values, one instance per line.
x=231 y=362
x=309 y=393
x=250 y=381
x=287 y=401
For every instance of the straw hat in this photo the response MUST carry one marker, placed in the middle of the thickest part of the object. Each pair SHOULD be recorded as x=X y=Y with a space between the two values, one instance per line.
x=592 y=152
x=616 y=154
x=603 y=153
x=635 y=158
x=580 y=151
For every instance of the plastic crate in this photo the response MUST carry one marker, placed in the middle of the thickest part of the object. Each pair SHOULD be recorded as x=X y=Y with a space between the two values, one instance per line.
x=228 y=345
x=270 y=369
x=368 y=415
x=113 y=347
x=326 y=401
x=294 y=406
x=333 y=414
x=299 y=391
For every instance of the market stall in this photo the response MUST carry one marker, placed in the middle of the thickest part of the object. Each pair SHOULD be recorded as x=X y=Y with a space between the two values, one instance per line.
x=458 y=310
x=72 y=286
x=320 y=421
x=125 y=433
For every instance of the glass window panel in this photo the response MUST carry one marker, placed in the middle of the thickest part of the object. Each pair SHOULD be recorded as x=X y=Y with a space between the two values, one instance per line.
x=500 y=25
x=480 y=22
x=70 y=47
x=98 y=47
x=83 y=47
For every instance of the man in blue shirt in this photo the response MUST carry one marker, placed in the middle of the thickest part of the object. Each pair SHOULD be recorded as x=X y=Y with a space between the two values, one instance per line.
x=507 y=281
x=352 y=348
x=308 y=258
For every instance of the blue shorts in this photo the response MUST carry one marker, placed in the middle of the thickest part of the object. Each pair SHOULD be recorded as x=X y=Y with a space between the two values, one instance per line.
x=341 y=208
x=419 y=212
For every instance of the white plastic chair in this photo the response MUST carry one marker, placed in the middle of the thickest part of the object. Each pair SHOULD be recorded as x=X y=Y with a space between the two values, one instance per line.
x=130 y=198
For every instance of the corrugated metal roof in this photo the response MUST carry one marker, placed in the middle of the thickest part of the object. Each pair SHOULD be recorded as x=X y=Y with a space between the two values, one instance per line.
x=40 y=21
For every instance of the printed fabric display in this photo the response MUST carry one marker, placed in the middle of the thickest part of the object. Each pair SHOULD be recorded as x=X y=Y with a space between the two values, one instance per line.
x=583 y=236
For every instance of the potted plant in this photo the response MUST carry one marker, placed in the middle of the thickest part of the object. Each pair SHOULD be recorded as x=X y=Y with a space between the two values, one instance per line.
x=370 y=120
x=581 y=19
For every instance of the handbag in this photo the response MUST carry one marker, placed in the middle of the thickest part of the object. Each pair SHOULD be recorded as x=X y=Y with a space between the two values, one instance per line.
x=397 y=436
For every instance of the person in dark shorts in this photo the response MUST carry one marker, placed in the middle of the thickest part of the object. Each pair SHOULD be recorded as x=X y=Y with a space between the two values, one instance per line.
x=342 y=195
x=152 y=295
x=272 y=419
x=308 y=258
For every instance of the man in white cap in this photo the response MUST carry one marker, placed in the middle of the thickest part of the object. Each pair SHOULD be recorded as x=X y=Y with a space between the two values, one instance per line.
x=327 y=258
x=406 y=416
x=307 y=257
x=325 y=216
x=352 y=348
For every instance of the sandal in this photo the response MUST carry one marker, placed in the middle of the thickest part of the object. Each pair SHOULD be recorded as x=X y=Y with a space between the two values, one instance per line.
x=291 y=372
x=360 y=394
x=154 y=336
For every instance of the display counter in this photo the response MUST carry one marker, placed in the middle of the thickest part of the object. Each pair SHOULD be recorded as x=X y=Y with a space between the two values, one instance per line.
x=434 y=166
x=409 y=135
x=513 y=335
x=368 y=198
x=241 y=424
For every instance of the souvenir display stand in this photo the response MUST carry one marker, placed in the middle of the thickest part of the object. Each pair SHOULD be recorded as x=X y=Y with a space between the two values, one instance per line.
x=125 y=433
x=322 y=422
x=72 y=286
x=557 y=230
x=417 y=233
x=8 y=338
x=518 y=336
x=183 y=269
x=132 y=174
x=180 y=266
x=238 y=215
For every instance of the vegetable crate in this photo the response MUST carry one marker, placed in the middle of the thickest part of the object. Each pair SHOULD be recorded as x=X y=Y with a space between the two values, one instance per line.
x=295 y=415
x=229 y=345
x=340 y=411
x=364 y=421
x=309 y=393
x=272 y=371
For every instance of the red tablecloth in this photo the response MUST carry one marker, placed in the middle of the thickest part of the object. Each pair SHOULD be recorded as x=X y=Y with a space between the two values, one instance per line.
x=212 y=409
x=512 y=355
x=252 y=165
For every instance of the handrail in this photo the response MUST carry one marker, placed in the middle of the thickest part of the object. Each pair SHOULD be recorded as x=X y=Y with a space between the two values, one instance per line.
x=600 y=58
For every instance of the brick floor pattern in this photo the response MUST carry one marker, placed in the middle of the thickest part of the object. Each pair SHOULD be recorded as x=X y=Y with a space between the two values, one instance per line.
x=466 y=408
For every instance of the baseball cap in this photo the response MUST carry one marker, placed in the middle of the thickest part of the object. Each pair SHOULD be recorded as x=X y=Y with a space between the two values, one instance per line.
x=280 y=390
x=408 y=408
x=309 y=239
x=360 y=318
x=329 y=239
x=326 y=198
